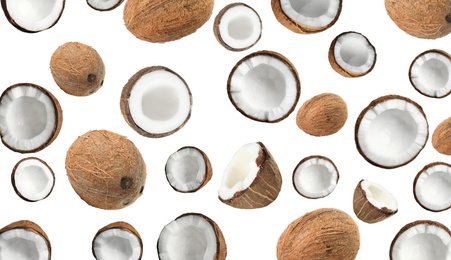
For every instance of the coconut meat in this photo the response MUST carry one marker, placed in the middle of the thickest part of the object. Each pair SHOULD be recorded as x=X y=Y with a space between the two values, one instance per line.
x=354 y=53
x=103 y=4
x=315 y=178
x=430 y=73
x=378 y=196
x=240 y=27
x=21 y=244
x=313 y=13
x=186 y=169
x=33 y=180
x=117 y=244
x=190 y=237
x=433 y=187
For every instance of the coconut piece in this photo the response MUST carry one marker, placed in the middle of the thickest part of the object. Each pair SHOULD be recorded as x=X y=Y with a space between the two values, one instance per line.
x=391 y=131
x=188 y=169
x=30 y=118
x=77 y=69
x=322 y=115
x=422 y=240
x=191 y=236
x=24 y=240
x=105 y=169
x=352 y=55
x=237 y=27
x=32 y=179
x=441 y=138
x=33 y=16
x=156 y=102
x=432 y=187
x=252 y=179
x=315 y=177
x=165 y=20
x=326 y=234
x=104 y=5
x=264 y=86
x=307 y=16
x=117 y=241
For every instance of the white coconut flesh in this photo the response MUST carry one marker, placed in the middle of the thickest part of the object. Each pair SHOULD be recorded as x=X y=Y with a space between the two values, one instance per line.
x=392 y=133
x=103 y=4
x=186 y=169
x=117 y=244
x=430 y=73
x=315 y=178
x=264 y=88
x=190 y=237
x=33 y=179
x=21 y=244
x=240 y=27
x=159 y=102
x=433 y=187
x=27 y=118
x=354 y=53
x=313 y=13
x=378 y=196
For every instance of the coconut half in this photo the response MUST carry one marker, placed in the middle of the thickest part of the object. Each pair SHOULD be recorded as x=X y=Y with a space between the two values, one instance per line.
x=441 y=138
x=422 y=240
x=191 y=236
x=33 y=16
x=104 y=5
x=30 y=118
x=264 y=86
x=432 y=187
x=315 y=177
x=391 y=131
x=24 y=240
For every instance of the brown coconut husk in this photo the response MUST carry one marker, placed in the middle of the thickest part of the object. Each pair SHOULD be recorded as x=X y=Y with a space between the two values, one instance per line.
x=441 y=138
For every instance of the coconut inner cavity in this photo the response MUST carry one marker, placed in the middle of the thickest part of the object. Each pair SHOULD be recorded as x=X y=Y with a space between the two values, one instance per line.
x=33 y=180
x=186 y=169
x=430 y=74
x=117 y=244
x=314 y=13
x=315 y=178
x=103 y=4
x=378 y=196
x=354 y=53
x=20 y=244
x=433 y=187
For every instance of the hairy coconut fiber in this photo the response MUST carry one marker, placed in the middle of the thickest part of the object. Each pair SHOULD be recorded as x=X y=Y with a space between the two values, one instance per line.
x=441 y=139
x=77 y=69
x=106 y=169
x=165 y=20
x=323 y=234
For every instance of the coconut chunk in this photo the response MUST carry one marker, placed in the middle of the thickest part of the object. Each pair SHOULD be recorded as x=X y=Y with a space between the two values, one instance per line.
x=432 y=187
x=104 y=5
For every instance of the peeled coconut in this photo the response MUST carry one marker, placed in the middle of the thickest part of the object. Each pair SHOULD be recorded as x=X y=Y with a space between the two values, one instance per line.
x=106 y=169
x=432 y=187
x=441 y=138
x=165 y=20
x=77 y=69
x=323 y=234
x=30 y=118
x=104 y=5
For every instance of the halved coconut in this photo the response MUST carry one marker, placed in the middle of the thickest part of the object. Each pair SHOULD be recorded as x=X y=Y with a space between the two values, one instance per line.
x=432 y=187
x=117 y=241
x=352 y=55
x=24 y=240
x=156 y=102
x=188 y=169
x=252 y=179
x=307 y=16
x=191 y=236
x=430 y=73
x=32 y=179
x=33 y=16
x=315 y=177
x=104 y=5
x=422 y=240
x=30 y=118
x=441 y=138
x=264 y=86
x=391 y=131
x=237 y=27
x=373 y=203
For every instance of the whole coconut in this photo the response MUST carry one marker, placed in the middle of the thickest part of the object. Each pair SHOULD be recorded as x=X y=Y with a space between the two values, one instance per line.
x=106 y=169
x=441 y=138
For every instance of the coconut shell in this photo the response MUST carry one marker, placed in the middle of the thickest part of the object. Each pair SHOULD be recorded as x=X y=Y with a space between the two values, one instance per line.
x=441 y=138
x=322 y=115
x=323 y=234
x=106 y=169
x=108 y=9
x=77 y=69
x=165 y=20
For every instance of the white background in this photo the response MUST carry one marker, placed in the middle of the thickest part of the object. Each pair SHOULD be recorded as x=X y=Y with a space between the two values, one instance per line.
x=216 y=127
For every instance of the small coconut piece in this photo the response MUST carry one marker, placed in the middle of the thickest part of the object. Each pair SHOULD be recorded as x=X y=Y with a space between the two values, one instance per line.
x=32 y=179
x=422 y=240
x=252 y=179
x=104 y=5
x=191 y=236
x=106 y=169
x=156 y=102
x=391 y=131
x=188 y=169
x=24 y=240
x=315 y=177
x=352 y=55
x=118 y=241
x=237 y=27
x=327 y=234
x=77 y=69
x=264 y=86
x=30 y=118
x=432 y=187
x=441 y=138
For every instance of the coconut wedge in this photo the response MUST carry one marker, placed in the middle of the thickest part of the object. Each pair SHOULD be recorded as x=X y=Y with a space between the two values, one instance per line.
x=432 y=187
x=30 y=118
x=441 y=138
x=104 y=5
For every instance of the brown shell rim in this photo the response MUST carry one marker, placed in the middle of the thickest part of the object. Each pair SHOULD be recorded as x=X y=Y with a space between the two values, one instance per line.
x=383 y=210
x=108 y=9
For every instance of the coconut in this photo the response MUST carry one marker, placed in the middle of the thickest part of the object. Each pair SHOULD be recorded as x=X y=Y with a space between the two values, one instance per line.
x=165 y=20
x=77 y=69
x=322 y=115
x=323 y=234
x=104 y=5
x=432 y=187
x=30 y=118
x=106 y=169
x=24 y=240
x=441 y=138
x=428 y=19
